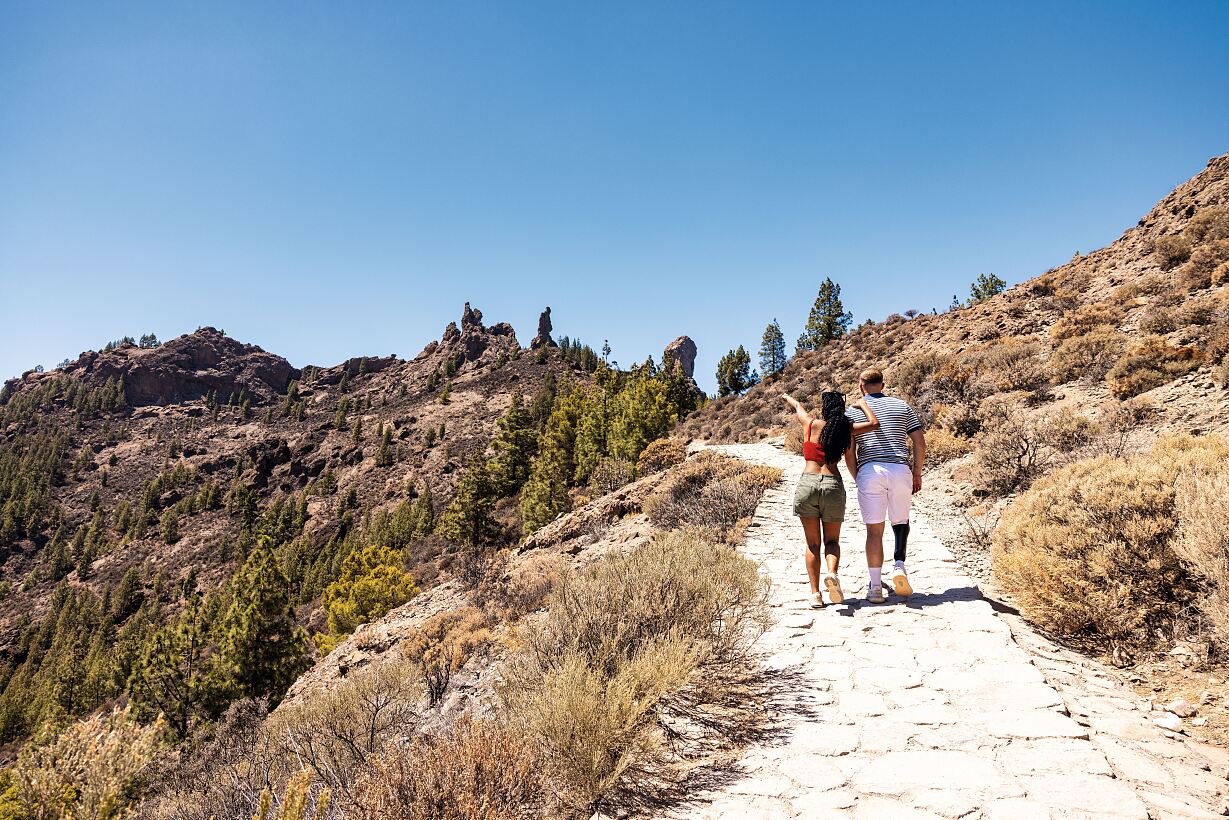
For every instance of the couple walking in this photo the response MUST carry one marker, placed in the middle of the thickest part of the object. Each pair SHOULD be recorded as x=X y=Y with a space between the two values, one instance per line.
x=873 y=436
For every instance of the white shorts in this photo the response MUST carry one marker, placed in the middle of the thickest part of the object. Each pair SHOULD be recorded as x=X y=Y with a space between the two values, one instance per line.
x=884 y=492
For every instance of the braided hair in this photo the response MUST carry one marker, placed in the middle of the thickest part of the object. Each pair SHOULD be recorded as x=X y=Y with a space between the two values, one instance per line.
x=837 y=431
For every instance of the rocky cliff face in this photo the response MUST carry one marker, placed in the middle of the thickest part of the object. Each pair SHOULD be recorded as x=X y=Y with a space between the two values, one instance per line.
x=185 y=369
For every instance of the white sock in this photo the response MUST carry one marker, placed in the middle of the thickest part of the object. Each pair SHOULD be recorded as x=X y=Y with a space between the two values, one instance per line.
x=874 y=571
x=900 y=565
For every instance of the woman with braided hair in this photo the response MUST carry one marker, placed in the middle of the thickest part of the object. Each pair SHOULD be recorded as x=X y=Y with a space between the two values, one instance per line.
x=819 y=501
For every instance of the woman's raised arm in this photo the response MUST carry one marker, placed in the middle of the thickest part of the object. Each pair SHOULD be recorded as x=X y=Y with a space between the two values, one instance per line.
x=803 y=415
x=872 y=422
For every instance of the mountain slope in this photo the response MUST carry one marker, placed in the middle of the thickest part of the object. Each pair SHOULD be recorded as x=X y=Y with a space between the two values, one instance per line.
x=1136 y=287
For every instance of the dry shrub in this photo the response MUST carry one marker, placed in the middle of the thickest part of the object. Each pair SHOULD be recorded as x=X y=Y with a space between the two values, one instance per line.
x=710 y=491
x=1216 y=340
x=1203 y=542
x=476 y=771
x=942 y=446
x=793 y=439
x=1089 y=357
x=1084 y=319
x=1114 y=547
x=1209 y=225
x=510 y=593
x=661 y=455
x=628 y=647
x=443 y=644
x=1171 y=250
x=610 y=474
x=1013 y=366
x=1197 y=312
x=1220 y=275
x=1196 y=274
x=334 y=732
x=1149 y=363
x=961 y=420
x=1086 y=551
x=91 y=769
x=222 y=775
x=1160 y=320
x=1017 y=445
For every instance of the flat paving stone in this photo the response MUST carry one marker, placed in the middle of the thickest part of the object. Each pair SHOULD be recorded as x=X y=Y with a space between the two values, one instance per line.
x=937 y=705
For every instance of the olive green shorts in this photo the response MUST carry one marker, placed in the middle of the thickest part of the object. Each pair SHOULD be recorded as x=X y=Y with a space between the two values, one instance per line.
x=820 y=496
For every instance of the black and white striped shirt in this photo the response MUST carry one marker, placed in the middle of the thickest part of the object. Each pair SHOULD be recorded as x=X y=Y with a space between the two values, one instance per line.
x=890 y=443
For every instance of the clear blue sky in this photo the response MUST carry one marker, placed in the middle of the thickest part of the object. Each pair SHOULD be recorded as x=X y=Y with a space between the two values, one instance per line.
x=336 y=179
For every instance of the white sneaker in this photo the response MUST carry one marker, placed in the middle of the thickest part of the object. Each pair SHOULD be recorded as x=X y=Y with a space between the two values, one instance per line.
x=900 y=582
x=833 y=585
x=817 y=600
x=874 y=595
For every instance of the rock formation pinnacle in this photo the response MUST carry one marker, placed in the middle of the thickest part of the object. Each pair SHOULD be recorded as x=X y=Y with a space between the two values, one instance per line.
x=544 y=328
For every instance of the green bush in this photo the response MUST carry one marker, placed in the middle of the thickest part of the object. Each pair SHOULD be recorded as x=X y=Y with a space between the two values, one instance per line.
x=372 y=582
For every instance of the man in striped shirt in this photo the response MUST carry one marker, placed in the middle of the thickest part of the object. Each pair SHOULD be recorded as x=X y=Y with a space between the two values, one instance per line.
x=879 y=463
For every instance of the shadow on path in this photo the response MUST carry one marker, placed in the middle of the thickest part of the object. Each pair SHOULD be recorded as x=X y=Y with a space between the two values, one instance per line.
x=783 y=710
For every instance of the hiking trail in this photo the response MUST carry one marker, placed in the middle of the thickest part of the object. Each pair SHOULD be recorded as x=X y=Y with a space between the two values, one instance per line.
x=931 y=707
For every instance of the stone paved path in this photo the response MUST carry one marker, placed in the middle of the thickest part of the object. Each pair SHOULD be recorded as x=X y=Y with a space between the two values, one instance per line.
x=931 y=707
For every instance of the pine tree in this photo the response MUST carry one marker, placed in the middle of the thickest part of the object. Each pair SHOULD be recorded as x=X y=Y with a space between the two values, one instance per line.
x=171 y=677
x=261 y=649
x=515 y=446
x=985 y=286
x=828 y=320
x=545 y=495
x=734 y=374
x=772 y=350
x=384 y=456
x=468 y=518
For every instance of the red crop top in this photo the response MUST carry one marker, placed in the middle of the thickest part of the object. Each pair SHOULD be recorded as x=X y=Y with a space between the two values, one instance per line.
x=811 y=450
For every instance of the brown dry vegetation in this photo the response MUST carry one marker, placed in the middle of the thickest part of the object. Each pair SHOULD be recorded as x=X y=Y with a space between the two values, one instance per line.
x=477 y=770
x=710 y=491
x=593 y=663
x=662 y=632
x=1112 y=548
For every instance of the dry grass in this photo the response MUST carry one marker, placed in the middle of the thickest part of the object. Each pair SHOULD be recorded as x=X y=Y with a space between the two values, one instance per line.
x=476 y=771
x=661 y=454
x=1148 y=363
x=637 y=640
x=710 y=491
